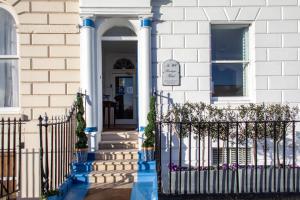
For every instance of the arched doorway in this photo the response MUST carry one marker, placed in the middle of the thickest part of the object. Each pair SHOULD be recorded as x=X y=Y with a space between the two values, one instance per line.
x=119 y=78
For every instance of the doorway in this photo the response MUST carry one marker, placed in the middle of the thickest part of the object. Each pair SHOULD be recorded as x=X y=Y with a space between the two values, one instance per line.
x=119 y=70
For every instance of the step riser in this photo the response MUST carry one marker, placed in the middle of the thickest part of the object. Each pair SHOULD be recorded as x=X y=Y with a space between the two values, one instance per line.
x=111 y=179
x=110 y=137
x=115 y=167
x=116 y=156
x=118 y=146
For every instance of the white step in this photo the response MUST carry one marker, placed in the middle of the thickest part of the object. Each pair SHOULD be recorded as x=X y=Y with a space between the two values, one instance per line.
x=117 y=154
x=119 y=135
x=115 y=165
x=115 y=176
x=118 y=144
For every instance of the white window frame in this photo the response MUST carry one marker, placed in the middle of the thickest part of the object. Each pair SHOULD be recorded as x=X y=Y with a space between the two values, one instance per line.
x=17 y=109
x=250 y=68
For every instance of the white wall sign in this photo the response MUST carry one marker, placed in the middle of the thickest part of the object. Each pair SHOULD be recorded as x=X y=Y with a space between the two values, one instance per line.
x=171 y=73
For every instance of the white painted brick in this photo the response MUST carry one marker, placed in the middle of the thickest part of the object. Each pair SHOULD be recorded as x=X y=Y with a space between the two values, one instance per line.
x=24 y=38
x=48 y=39
x=34 y=101
x=248 y=2
x=73 y=39
x=291 y=96
x=261 y=82
x=64 y=51
x=268 y=68
x=64 y=76
x=196 y=97
x=195 y=14
x=162 y=55
x=291 y=68
x=162 y=27
x=33 y=18
x=197 y=69
x=72 y=6
x=215 y=13
x=34 y=51
x=47 y=6
x=171 y=13
x=172 y=41
x=232 y=13
x=268 y=40
x=269 y=13
x=283 y=82
x=283 y=54
x=283 y=26
x=22 y=6
x=73 y=63
x=291 y=12
x=61 y=100
x=291 y=40
x=185 y=27
x=187 y=84
x=34 y=76
x=282 y=2
x=185 y=3
x=185 y=55
x=260 y=54
x=64 y=18
x=203 y=3
x=203 y=27
x=204 y=83
x=25 y=63
x=25 y=88
x=197 y=41
x=49 y=88
x=73 y=88
x=48 y=63
x=268 y=96
x=160 y=86
x=49 y=29
x=204 y=55
x=247 y=13
x=260 y=26
x=50 y=112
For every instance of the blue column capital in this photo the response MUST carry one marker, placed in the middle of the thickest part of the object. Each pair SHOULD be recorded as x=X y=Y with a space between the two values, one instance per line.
x=146 y=22
x=87 y=22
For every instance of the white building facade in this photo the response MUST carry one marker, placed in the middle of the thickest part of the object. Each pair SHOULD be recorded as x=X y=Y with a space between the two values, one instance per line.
x=229 y=52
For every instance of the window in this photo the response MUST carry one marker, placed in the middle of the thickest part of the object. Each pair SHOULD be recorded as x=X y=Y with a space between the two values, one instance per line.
x=119 y=31
x=8 y=61
x=232 y=156
x=229 y=60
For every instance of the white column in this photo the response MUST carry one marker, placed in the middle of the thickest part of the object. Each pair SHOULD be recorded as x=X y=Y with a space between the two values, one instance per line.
x=144 y=75
x=88 y=76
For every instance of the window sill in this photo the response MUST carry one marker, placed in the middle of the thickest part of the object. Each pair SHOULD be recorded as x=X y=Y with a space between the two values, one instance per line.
x=12 y=112
x=230 y=100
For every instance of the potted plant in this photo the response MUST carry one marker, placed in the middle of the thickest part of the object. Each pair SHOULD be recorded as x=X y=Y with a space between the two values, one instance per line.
x=81 y=145
x=149 y=142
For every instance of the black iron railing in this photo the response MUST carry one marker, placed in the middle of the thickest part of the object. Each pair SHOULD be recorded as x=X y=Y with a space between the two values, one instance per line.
x=57 y=146
x=10 y=163
x=239 y=157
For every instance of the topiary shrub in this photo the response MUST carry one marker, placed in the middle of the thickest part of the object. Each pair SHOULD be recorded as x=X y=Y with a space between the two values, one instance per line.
x=150 y=128
x=81 y=124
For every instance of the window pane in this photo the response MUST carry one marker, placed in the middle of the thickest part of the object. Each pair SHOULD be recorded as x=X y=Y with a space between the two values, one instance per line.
x=8 y=42
x=229 y=42
x=9 y=83
x=228 y=79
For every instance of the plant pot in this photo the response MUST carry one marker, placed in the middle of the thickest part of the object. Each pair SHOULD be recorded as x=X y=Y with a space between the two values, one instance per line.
x=148 y=153
x=81 y=155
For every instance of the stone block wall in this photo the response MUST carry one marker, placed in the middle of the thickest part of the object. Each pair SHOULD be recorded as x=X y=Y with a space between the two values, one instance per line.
x=48 y=34
x=181 y=31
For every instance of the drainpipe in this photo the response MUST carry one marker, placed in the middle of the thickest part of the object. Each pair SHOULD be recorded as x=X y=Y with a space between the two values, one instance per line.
x=88 y=77
x=144 y=75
